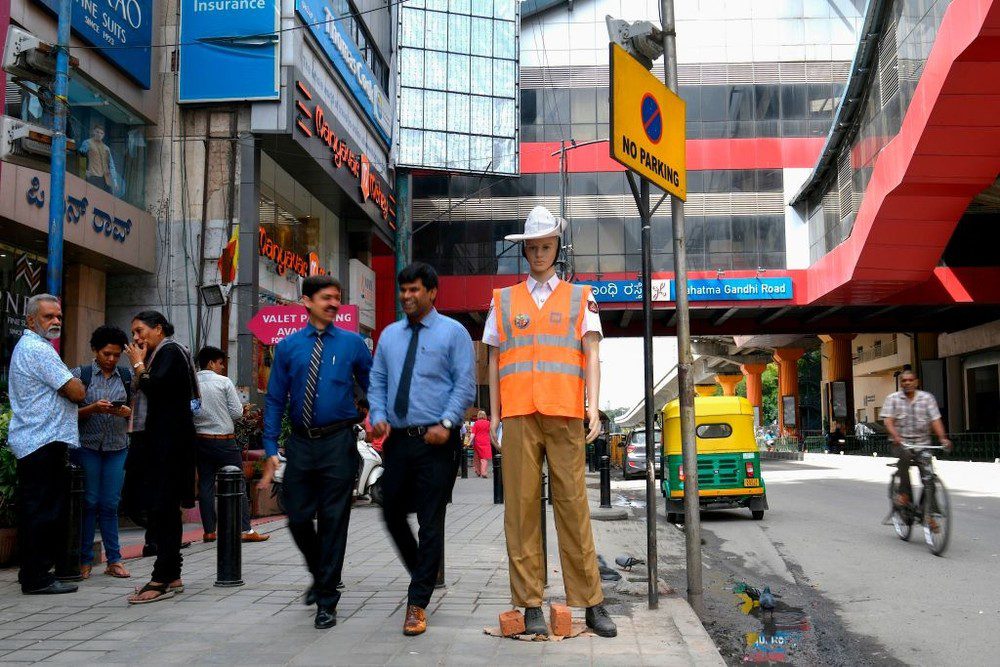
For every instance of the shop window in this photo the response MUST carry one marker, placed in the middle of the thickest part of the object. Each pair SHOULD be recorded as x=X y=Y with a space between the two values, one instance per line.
x=983 y=386
x=110 y=140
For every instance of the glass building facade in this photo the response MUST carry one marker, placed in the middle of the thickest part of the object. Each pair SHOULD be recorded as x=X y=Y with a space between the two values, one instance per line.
x=904 y=46
x=746 y=73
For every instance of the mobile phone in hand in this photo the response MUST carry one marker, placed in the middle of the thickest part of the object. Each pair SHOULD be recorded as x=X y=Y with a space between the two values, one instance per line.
x=118 y=404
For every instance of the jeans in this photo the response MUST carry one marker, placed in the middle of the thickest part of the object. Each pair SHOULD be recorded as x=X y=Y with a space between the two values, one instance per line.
x=104 y=474
x=41 y=497
x=213 y=455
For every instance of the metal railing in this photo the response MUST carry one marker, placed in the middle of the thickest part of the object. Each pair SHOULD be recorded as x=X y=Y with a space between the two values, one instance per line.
x=877 y=352
x=968 y=446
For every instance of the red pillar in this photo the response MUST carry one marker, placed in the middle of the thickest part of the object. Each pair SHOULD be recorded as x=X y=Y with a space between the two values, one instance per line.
x=752 y=373
x=728 y=383
x=788 y=385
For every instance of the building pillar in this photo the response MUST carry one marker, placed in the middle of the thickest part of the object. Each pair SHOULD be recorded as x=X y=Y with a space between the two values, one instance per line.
x=840 y=368
x=752 y=373
x=728 y=383
x=83 y=306
x=788 y=385
x=705 y=389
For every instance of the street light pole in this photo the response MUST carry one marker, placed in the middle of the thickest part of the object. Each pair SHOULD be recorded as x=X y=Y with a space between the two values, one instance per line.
x=685 y=361
x=57 y=165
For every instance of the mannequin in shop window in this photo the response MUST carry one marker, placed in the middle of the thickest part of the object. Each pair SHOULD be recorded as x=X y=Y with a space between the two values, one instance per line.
x=100 y=164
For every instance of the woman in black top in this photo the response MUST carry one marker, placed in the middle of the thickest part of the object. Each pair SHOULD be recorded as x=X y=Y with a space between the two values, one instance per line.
x=166 y=386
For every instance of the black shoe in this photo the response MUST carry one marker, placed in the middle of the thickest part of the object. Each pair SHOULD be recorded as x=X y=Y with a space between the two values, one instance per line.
x=310 y=596
x=325 y=618
x=534 y=622
x=599 y=620
x=340 y=586
x=55 y=588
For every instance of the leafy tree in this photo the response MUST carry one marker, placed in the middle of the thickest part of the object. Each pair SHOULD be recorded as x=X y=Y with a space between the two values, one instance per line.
x=769 y=394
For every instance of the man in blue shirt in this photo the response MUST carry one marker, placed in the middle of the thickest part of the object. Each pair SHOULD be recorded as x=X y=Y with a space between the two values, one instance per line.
x=423 y=381
x=43 y=399
x=313 y=375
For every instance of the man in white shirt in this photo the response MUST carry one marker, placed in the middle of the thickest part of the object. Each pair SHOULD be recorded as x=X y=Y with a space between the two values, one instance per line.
x=216 y=439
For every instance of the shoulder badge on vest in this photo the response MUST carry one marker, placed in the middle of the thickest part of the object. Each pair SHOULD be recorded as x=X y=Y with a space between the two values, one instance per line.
x=592 y=306
x=522 y=321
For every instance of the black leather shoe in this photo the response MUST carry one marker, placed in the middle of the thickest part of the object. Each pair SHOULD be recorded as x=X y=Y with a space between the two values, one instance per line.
x=310 y=597
x=325 y=618
x=599 y=620
x=55 y=588
x=534 y=622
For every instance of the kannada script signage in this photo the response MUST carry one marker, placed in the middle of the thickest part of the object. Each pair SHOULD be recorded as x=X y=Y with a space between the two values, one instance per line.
x=647 y=125
x=272 y=324
x=713 y=289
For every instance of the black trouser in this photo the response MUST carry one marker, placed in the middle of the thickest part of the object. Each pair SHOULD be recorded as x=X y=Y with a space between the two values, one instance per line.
x=319 y=478
x=905 y=461
x=213 y=455
x=418 y=478
x=42 y=485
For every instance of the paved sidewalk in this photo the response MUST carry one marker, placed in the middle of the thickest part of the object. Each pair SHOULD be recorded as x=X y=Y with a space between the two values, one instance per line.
x=265 y=622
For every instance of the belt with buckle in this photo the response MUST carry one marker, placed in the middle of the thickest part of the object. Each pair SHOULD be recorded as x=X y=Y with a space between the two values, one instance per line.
x=417 y=431
x=210 y=436
x=322 y=431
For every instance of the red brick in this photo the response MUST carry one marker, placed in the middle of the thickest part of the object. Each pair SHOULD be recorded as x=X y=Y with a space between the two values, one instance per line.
x=511 y=623
x=560 y=620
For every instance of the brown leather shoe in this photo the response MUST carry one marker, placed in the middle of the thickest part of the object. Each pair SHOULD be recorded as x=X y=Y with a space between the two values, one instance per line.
x=416 y=621
x=208 y=537
x=254 y=536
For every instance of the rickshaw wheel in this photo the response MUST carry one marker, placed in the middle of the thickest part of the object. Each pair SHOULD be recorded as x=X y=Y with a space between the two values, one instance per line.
x=757 y=514
x=674 y=517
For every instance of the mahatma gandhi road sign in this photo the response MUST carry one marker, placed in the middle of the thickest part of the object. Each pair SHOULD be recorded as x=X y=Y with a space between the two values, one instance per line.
x=647 y=124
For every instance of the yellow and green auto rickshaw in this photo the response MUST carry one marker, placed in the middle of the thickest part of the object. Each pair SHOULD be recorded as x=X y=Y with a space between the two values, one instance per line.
x=729 y=474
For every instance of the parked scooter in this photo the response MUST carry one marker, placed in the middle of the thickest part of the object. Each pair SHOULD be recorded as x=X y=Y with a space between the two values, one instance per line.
x=370 y=471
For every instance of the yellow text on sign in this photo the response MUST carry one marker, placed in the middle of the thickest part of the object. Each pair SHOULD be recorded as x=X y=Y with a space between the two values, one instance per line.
x=647 y=125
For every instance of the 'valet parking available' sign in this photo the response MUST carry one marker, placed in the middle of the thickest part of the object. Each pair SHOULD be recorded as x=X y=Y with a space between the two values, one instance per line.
x=699 y=289
x=272 y=324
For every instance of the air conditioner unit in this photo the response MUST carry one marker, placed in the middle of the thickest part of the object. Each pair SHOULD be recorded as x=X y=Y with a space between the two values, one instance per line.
x=26 y=144
x=27 y=57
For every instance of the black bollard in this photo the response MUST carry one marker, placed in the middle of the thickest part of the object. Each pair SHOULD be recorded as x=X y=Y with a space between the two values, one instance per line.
x=68 y=561
x=592 y=458
x=545 y=532
x=229 y=496
x=465 y=464
x=606 y=481
x=497 y=479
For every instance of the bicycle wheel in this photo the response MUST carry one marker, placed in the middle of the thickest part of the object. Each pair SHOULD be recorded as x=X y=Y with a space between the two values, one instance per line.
x=902 y=521
x=937 y=506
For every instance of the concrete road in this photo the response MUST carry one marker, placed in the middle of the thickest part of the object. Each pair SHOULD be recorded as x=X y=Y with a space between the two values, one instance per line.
x=824 y=545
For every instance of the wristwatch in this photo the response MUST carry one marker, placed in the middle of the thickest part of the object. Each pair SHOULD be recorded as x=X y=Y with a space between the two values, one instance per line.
x=447 y=423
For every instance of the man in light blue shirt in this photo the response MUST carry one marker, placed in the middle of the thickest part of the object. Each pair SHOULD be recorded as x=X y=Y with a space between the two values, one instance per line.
x=43 y=400
x=422 y=382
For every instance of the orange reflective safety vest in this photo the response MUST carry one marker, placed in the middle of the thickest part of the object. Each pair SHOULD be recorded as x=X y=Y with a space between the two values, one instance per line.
x=542 y=365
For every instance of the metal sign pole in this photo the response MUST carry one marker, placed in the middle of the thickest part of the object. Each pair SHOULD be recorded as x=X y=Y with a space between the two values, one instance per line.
x=685 y=361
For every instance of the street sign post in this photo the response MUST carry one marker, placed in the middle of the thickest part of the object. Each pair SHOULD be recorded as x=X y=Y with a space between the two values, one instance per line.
x=647 y=125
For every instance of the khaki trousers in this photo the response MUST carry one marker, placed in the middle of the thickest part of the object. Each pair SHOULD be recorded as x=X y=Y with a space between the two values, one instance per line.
x=526 y=441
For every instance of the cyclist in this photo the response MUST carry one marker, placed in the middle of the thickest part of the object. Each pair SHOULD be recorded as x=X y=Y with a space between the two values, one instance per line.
x=910 y=415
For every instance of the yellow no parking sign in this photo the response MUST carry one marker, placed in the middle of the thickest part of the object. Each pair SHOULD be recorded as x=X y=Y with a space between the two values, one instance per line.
x=647 y=125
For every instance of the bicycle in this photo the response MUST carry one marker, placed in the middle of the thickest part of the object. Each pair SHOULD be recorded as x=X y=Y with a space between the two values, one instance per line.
x=934 y=504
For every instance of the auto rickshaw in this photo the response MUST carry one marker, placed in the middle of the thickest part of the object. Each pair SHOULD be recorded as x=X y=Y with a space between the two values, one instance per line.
x=729 y=474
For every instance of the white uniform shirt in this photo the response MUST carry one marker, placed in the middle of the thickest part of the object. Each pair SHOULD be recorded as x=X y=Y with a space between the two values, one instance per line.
x=540 y=293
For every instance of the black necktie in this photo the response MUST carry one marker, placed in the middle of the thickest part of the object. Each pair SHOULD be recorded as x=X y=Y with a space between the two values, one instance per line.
x=402 y=405
x=311 y=381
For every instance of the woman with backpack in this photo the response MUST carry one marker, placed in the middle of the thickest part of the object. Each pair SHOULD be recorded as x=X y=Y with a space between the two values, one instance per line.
x=103 y=419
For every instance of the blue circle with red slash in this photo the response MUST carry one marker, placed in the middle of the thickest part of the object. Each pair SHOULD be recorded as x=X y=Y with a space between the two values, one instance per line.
x=652 y=118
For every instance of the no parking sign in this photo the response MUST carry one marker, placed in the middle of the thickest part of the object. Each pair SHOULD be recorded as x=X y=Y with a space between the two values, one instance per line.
x=647 y=125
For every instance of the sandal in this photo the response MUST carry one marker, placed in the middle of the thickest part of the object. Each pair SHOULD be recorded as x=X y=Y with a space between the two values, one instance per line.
x=162 y=592
x=117 y=570
x=176 y=586
x=85 y=571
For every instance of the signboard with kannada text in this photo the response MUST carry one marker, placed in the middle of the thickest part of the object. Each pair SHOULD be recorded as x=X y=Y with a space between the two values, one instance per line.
x=272 y=324
x=699 y=289
x=647 y=125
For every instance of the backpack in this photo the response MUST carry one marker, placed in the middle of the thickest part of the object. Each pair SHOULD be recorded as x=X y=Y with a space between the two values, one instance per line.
x=87 y=374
